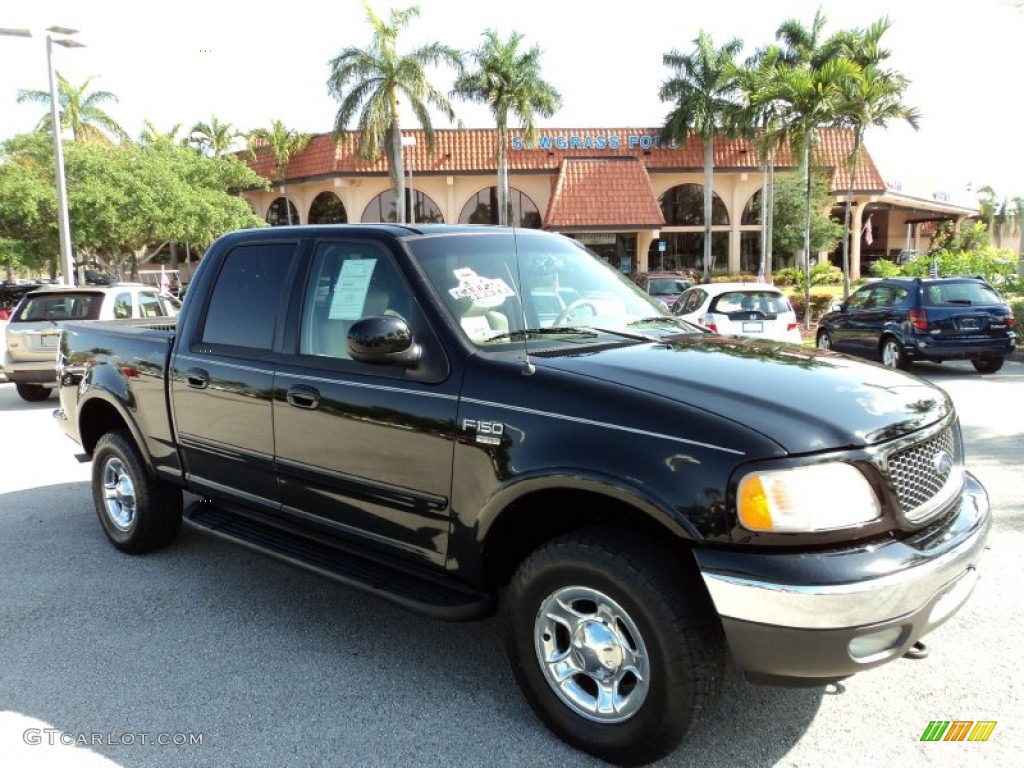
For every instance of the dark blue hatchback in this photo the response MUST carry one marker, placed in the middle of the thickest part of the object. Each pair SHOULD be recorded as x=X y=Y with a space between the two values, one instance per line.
x=902 y=320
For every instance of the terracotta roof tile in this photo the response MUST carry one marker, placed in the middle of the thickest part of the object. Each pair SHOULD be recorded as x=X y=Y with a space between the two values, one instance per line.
x=603 y=192
x=469 y=151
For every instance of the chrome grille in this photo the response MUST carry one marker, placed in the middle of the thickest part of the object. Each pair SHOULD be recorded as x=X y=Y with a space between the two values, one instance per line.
x=926 y=474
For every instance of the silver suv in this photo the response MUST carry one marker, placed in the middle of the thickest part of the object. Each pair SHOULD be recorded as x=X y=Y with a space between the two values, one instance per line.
x=33 y=332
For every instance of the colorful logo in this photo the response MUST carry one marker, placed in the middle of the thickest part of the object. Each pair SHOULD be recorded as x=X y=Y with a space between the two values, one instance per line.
x=958 y=730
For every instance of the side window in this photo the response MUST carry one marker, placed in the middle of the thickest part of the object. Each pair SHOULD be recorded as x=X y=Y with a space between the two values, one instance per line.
x=900 y=297
x=248 y=297
x=150 y=306
x=347 y=282
x=859 y=299
x=122 y=306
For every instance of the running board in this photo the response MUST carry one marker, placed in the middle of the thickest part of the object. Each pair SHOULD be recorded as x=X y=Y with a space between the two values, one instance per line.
x=427 y=593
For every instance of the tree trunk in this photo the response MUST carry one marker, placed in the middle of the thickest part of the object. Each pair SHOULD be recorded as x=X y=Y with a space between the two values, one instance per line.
x=709 y=178
x=855 y=157
x=397 y=168
x=502 y=157
x=807 y=231
x=769 y=266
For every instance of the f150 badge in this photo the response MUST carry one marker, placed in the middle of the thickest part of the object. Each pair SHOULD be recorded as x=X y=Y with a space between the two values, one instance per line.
x=486 y=432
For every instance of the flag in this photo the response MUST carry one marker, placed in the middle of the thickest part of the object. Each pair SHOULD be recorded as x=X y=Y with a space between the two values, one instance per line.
x=760 y=273
x=869 y=236
x=933 y=271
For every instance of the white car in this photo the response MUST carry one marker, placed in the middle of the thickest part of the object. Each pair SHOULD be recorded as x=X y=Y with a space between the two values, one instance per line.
x=757 y=310
x=33 y=332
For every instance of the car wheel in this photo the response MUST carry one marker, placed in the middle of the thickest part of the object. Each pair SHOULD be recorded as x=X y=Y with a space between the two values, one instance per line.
x=892 y=354
x=988 y=364
x=824 y=340
x=614 y=645
x=138 y=512
x=32 y=393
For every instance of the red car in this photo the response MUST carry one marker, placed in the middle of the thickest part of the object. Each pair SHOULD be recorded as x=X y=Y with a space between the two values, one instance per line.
x=666 y=286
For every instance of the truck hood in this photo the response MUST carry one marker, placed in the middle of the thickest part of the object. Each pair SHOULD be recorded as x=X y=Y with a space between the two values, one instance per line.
x=806 y=400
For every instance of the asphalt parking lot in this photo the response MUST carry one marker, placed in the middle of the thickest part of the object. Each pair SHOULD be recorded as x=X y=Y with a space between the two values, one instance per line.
x=206 y=654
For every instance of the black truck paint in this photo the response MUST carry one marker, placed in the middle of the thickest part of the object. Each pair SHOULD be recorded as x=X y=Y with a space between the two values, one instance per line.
x=589 y=476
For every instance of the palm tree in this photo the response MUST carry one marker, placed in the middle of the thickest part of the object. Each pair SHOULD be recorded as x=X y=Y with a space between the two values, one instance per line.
x=759 y=121
x=282 y=143
x=873 y=98
x=508 y=80
x=367 y=82
x=80 y=111
x=807 y=84
x=703 y=88
x=213 y=138
x=152 y=136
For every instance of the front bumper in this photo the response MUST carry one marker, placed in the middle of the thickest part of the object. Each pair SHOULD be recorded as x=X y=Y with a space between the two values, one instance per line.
x=806 y=619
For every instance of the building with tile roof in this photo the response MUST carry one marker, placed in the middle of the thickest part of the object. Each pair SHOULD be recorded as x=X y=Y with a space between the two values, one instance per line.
x=636 y=201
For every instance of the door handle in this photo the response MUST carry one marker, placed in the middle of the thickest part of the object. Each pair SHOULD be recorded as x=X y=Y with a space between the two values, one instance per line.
x=303 y=397
x=197 y=378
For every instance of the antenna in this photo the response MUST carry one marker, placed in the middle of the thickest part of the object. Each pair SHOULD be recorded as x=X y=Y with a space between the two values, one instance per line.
x=528 y=367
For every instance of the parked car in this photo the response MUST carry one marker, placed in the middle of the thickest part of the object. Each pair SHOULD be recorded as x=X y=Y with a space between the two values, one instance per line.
x=740 y=309
x=902 y=320
x=33 y=332
x=667 y=286
x=395 y=407
x=11 y=294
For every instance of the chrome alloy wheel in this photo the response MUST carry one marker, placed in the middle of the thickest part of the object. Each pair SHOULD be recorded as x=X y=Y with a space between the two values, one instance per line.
x=592 y=655
x=118 y=494
x=891 y=354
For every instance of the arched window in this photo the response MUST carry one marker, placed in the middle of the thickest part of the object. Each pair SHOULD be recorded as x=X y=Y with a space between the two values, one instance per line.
x=752 y=210
x=482 y=208
x=278 y=214
x=683 y=206
x=382 y=209
x=327 y=209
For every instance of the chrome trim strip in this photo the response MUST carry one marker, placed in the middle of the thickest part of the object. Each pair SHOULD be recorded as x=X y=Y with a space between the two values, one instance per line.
x=602 y=424
x=219 y=362
x=367 y=385
x=841 y=606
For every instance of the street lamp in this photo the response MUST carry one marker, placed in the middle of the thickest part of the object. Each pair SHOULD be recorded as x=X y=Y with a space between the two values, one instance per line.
x=63 y=224
x=410 y=141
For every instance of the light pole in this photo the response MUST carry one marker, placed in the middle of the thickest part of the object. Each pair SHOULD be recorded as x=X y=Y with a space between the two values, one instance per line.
x=410 y=141
x=67 y=260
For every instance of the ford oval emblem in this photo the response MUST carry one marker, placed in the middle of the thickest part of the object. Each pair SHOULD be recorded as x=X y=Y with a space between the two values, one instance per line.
x=943 y=463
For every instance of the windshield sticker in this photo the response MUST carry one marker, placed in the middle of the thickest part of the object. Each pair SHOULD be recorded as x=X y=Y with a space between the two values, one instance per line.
x=482 y=291
x=351 y=288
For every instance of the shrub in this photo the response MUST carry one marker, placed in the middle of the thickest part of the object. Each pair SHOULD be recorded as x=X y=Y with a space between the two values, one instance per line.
x=884 y=268
x=820 y=303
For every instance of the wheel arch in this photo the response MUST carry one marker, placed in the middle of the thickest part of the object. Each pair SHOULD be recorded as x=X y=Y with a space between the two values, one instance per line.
x=532 y=512
x=99 y=414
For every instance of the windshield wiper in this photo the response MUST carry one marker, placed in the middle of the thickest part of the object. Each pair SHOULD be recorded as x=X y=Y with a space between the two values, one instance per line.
x=654 y=319
x=556 y=331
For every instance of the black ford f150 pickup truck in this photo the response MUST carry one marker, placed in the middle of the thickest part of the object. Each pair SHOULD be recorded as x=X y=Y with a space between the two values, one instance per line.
x=466 y=418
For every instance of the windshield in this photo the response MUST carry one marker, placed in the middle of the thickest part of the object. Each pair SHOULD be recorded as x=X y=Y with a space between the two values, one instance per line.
x=557 y=284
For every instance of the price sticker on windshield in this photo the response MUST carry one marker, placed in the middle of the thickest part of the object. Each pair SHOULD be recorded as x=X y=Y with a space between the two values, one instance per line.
x=482 y=291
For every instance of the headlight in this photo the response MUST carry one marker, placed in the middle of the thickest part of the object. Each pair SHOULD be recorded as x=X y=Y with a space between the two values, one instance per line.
x=821 y=497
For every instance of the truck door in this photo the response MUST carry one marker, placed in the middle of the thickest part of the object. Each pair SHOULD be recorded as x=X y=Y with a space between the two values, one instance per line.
x=365 y=450
x=222 y=376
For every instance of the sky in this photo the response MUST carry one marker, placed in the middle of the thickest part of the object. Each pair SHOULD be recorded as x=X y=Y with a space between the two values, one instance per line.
x=248 y=63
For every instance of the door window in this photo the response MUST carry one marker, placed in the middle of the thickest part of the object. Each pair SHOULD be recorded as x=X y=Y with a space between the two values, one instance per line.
x=248 y=297
x=347 y=282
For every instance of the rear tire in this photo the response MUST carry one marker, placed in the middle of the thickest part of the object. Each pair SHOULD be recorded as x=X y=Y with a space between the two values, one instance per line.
x=988 y=364
x=891 y=354
x=138 y=512
x=615 y=645
x=32 y=393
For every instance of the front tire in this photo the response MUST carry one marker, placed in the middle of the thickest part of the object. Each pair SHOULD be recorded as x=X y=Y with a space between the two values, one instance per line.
x=824 y=340
x=138 y=512
x=32 y=393
x=614 y=644
x=988 y=364
x=892 y=355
